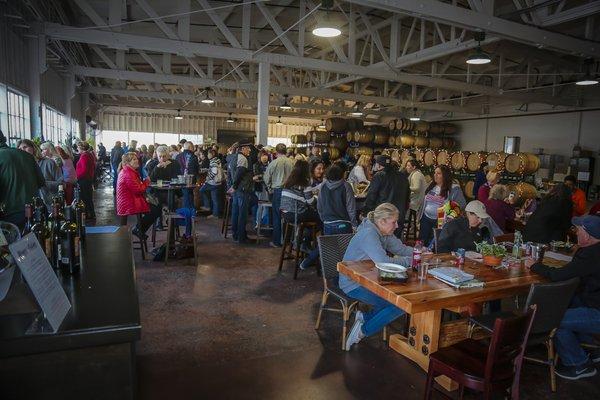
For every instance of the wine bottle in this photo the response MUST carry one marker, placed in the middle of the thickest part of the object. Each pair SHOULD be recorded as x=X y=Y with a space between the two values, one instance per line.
x=79 y=207
x=40 y=228
x=61 y=195
x=28 y=219
x=68 y=245
x=56 y=219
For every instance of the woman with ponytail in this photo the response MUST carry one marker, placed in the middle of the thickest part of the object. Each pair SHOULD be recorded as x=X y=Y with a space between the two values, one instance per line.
x=373 y=240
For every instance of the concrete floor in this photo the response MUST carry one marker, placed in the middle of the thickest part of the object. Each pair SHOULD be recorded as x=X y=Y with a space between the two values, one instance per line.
x=232 y=327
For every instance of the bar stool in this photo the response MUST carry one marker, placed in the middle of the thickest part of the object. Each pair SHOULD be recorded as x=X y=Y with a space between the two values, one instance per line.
x=172 y=218
x=292 y=232
x=262 y=206
x=143 y=243
x=226 y=215
x=412 y=223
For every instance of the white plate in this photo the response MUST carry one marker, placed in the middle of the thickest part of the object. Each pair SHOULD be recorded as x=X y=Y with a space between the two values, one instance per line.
x=390 y=267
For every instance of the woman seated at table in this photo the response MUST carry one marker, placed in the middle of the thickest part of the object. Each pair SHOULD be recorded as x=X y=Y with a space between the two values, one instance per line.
x=498 y=207
x=483 y=193
x=464 y=231
x=552 y=218
x=373 y=241
x=361 y=171
x=130 y=196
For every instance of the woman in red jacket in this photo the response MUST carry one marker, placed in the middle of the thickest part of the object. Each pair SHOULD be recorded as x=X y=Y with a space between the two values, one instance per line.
x=130 y=195
x=85 y=169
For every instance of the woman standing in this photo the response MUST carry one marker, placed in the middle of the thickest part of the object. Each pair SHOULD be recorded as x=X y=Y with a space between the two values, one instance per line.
x=85 y=169
x=317 y=169
x=361 y=171
x=373 y=240
x=439 y=191
x=50 y=169
x=69 y=173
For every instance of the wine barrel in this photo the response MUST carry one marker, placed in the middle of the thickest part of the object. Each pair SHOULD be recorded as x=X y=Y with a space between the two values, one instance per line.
x=407 y=125
x=435 y=128
x=422 y=126
x=339 y=143
x=405 y=155
x=354 y=124
x=474 y=160
x=392 y=125
x=524 y=190
x=392 y=140
x=449 y=143
x=468 y=189
x=309 y=136
x=421 y=141
x=450 y=129
x=429 y=158
x=458 y=160
x=334 y=153
x=521 y=163
x=381 y=138
x=298 y=139
x=363 y=136
x=495 y=160
x=321 y=137
x=443 y=157
x=406 y=141
x=336 y=124
x=435 y=142
x=419 y=154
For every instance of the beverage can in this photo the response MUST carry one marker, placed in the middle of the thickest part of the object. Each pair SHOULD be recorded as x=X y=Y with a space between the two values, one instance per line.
x=416 y=257
x=460 y=256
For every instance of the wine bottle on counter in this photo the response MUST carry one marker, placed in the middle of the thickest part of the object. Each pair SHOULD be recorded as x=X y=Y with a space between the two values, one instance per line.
x=28 y=219
x=56 y=220
x=61 y=196
x=68 y=245
x=79 y=208
x=40 y=226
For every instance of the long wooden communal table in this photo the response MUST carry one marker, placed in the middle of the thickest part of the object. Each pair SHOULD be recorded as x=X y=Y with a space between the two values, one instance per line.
x=425 y=300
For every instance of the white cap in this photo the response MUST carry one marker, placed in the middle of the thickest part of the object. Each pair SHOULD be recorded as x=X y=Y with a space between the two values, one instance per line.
x=477 y=208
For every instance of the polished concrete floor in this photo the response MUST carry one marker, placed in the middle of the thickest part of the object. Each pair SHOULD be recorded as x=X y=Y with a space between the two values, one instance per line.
x=231 y=327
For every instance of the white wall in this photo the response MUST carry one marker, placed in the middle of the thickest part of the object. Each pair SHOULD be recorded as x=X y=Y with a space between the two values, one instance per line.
x=555 y=133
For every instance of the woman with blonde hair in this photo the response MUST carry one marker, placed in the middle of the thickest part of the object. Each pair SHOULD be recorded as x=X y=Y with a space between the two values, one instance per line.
x=361 y=171
x=498 y=207
x=492 y=178
x=373 y=240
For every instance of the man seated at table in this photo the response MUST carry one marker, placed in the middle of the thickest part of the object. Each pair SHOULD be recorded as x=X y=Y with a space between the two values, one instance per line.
x=583 y=316
x=465 y=231
x=372 y=241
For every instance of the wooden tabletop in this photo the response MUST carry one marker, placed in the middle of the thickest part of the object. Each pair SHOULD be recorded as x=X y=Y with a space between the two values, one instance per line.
x=417 y=296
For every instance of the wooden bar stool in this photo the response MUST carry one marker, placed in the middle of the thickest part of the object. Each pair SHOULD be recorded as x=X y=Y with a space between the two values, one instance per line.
x=143 y=243
x=262 y=205
x=412 y=223
x=290 y=250
x=226 y=216
x=173 y=218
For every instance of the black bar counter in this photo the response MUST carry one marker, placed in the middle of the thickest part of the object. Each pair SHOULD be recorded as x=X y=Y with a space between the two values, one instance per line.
x=93 y=353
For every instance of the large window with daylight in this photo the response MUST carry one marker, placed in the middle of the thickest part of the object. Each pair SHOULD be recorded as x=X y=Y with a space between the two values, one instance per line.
x=53 y=125
x=274 y=141
x=196 y=139
x=18 y=116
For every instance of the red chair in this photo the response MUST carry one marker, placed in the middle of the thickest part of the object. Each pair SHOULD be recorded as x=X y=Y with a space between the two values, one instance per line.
x=482 y=368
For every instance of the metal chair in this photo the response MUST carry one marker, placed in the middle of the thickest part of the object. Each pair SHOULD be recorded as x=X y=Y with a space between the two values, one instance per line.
x=483 y=368
x=331 y=251
x=552 y=301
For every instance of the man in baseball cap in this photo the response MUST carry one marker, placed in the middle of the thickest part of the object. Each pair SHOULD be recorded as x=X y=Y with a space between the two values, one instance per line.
x=583 y=316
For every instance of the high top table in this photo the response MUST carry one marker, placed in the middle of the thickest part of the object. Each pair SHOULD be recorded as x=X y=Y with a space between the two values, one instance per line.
x=93 y=353
x=424 y=301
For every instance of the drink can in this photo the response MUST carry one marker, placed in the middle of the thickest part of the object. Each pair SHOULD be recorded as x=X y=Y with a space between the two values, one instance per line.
x=460 y=256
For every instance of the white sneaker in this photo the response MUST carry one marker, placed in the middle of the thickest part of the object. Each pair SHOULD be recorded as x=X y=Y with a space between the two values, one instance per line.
x=359 y=316
x=355 y=335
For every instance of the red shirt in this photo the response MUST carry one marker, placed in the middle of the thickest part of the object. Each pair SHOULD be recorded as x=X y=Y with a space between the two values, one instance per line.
x=86 y=166
x=579 y=205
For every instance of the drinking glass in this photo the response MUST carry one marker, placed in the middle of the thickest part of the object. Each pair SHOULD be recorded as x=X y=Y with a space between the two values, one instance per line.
x=423 y=268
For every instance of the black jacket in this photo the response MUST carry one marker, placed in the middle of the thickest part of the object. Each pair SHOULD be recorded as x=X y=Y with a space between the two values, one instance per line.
x=188 y=159
x=242 y=180
x=550 y=221
x=389 y=186
x=583 y=265
x=456 y=234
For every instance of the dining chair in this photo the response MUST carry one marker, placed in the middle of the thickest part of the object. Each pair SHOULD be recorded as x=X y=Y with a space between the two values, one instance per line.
x=485 y=368
x=507 y=237
x=552 y=301
x=331 y=251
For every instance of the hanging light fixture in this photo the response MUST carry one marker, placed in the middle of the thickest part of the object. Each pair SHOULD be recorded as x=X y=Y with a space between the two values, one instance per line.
x=325 y=27
x=322 y=124
x=230 y=119
x=479 y=57
x=279 y=121
x=415 y=117
x=178 y=116
x=587 y=79
x=357 y=111
x=286 y=105
x=207 y=99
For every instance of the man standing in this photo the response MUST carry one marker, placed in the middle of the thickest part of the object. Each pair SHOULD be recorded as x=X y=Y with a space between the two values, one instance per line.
x=188 y=163
x=275 y=175
x=115 y=159
x=101 y=153
x=417 y=184
x=20 y=180
x=578 y=196
x=241 y=189
x=583 y=316
x=388 y=185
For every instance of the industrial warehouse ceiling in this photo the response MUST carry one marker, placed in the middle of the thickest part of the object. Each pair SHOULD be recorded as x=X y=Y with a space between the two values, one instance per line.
x=393 y=55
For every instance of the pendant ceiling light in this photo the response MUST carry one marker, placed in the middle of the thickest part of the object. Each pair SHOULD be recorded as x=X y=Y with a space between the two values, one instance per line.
x=479 y=57
x=230 y=119
x=279 y=121
x=415 y=117
x=588 y=79
x=325 y=26
x=178 y=116
x=357 y=111
x=286 y=105
x=207 y=99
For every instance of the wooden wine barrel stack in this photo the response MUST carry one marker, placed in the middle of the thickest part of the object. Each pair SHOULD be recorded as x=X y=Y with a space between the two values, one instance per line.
x=406 y=141
x=407 y=125
x=495 y=160
x=334 y=153
x=363 y=136
x=421 y=142
x=450 y=129
x=474 y=160
x=419 y=154
x=309 y=136
x=429 y=158
x=405 y=155
x=521 y=163
x=381 y=138
x=354 y=124
x=298 y=139
x=524 y=190
x=435 y=142
x=422 y=126
x=392 y=125
x=468 y=189
x=449 y=143
x=336 y=124
x=339 y=143
x=458 y=160
x=435 y=128
x=443 y=157
x=392 y=140
x=321 y=137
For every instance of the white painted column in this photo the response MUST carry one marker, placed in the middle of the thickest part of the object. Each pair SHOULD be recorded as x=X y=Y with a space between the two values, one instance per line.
x=262 y=120
x=36 y=61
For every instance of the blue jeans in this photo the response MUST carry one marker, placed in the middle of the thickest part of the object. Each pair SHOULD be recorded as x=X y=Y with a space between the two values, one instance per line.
x=382 y=312
x=188 y=198
x=329 y=229
x=211 y=195
x=277 y=216
x=574 y=329
x=239 y=215
x=426 y=230
x=253 y=205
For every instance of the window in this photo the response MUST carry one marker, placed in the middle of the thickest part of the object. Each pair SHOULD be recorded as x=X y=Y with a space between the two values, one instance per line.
x=53 y=125
x=146 y=138
x=75 y=128
x=196 y=139
x=166 y=138
x=109 y=138
x=273 y=141
x=18 y=117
